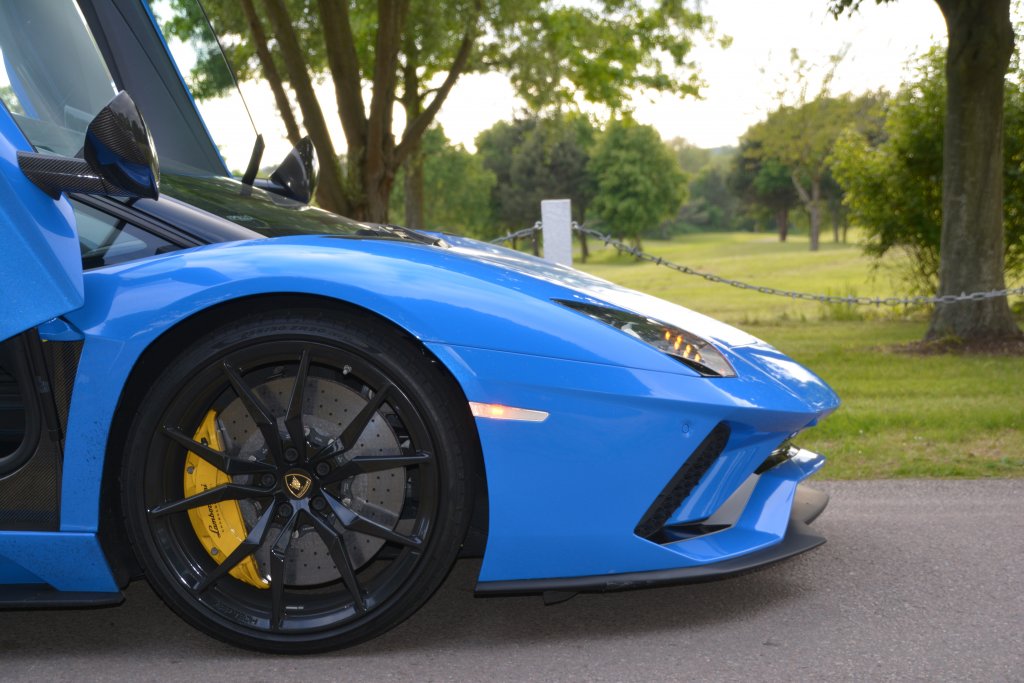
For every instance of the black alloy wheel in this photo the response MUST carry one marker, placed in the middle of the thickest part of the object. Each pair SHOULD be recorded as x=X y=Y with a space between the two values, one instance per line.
x=298 y=482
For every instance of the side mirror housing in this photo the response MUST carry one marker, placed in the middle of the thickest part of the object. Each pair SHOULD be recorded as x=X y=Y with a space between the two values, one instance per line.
x=119 y=158
x=297 y=176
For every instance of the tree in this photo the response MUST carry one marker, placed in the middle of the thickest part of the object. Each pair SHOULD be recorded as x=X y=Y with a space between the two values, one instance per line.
x=408 y=54
x=457 y=188
x=764 y=183
x=839 y=214
x=800 y=138
x=692 y=159
x=497 y=147
x=637 y=177
x=972 y=242
x=536 y=159
x=711 y=204
x=894 y=186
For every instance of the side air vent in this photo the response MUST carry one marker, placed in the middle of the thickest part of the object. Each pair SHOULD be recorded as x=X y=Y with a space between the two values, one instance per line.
x=62 y=357
x=683 y=483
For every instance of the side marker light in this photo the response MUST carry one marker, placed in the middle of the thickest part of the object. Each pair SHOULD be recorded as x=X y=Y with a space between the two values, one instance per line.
x=497 y=411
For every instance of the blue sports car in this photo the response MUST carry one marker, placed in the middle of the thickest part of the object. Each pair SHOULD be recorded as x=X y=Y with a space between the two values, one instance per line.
x=291 y=424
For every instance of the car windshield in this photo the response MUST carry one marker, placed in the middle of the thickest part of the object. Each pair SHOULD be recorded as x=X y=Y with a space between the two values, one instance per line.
x=52 y=88
x=271 y=215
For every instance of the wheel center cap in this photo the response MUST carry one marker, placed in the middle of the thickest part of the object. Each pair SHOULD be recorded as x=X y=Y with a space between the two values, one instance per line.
x=297 y=483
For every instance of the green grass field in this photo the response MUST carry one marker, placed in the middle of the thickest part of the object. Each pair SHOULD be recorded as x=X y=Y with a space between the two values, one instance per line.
x=902 y=415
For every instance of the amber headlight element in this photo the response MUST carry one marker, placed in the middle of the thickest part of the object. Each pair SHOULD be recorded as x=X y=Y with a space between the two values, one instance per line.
x=686 y=347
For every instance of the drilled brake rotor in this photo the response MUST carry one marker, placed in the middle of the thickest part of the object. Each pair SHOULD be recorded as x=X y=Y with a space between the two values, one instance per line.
x=328 y=406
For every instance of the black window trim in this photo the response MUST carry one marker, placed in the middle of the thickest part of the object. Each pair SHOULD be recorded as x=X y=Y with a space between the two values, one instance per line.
x=144 y=221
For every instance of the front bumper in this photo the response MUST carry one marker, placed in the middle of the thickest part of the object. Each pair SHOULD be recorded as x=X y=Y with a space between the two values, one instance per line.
x=808 y=503
x=566 y=496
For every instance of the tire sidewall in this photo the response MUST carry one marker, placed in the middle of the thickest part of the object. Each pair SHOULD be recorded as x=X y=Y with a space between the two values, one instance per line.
x=434 y=394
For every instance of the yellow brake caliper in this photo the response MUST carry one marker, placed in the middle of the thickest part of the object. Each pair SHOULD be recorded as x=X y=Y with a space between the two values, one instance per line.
x=219 y=526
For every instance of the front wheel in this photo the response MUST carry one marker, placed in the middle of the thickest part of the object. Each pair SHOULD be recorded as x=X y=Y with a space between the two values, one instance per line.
x=298 y=482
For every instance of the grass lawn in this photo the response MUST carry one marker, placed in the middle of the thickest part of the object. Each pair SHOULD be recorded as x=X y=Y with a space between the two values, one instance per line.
x=902 y=415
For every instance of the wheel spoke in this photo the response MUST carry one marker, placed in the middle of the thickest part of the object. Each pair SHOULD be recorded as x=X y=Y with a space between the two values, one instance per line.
x=293 y=419
x=353 y=521
x=214 y=495
x=354 y=430
x=342 y=560
x=366 y=464
x=246 y=548
x=263 y=418
x=278 y=557
x=221 y=461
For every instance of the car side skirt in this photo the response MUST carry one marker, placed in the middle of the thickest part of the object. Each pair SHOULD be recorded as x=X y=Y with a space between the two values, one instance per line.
x=41 y=596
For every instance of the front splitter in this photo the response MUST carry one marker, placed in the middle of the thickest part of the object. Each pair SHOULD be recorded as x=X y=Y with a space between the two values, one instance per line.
x=808 y=503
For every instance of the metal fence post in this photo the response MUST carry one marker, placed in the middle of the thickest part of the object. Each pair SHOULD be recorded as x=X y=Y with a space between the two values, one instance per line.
x=556 y=219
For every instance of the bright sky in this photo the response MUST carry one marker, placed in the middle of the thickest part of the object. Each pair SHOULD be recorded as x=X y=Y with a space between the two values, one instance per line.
x=741 y=80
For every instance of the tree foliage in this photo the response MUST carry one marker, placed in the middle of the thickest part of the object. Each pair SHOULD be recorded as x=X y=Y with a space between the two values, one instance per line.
x=692 y=159
x=535 y=159
x=390 y=53
x=711 y=203
x=973 y=246
x=457 y=188
x=800 y=139
x=638 y=180
x=894 y=187
x=763 y=183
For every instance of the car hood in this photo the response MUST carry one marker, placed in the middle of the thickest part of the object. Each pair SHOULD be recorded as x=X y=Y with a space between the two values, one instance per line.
x=747 y=353
x=592 y=289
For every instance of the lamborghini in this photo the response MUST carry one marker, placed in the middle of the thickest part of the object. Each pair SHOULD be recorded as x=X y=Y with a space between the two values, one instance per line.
x=291 y=424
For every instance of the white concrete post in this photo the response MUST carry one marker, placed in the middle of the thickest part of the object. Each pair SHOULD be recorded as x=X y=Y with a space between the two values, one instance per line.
x=556 y=219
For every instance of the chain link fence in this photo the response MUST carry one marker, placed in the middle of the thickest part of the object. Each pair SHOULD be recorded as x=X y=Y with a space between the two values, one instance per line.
x=640 y=255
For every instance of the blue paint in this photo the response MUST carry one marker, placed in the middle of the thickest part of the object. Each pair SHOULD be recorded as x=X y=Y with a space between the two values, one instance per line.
x=65 y=561
x=564 y=495
x=614 y=437
x=40 y=260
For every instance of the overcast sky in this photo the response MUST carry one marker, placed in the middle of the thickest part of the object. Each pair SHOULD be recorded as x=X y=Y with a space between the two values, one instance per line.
x=742 y=80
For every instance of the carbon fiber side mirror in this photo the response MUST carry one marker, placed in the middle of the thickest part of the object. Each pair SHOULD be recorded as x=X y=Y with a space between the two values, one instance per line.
x=119 y=158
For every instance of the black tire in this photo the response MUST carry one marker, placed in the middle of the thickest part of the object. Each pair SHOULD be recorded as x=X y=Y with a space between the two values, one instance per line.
x=369 y=559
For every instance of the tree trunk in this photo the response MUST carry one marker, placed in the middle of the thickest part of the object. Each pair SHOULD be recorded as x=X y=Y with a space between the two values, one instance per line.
x=972 y=254
x=414 y=187
x=412 y=101
x=782 y=223
x=346 y=73
x=815 y=210
x=330 y=193
x=270 y=72
x=375 y=210
x=584 y=248
x=380 y=163
x=812 y=204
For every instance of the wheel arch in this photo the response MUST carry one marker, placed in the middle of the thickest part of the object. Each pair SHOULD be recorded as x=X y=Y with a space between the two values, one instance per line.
x=169 y=344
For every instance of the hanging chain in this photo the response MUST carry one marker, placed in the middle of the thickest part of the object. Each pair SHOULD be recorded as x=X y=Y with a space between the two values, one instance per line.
x=807 y=296
x=520 y=234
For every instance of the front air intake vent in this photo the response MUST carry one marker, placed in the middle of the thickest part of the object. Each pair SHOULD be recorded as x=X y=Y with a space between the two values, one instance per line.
x=683 y=483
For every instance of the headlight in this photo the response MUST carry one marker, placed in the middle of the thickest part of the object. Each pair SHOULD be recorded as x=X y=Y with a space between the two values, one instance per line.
x=684 y=346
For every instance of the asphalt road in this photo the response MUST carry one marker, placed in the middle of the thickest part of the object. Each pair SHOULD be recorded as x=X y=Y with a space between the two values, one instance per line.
x=919 y=580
